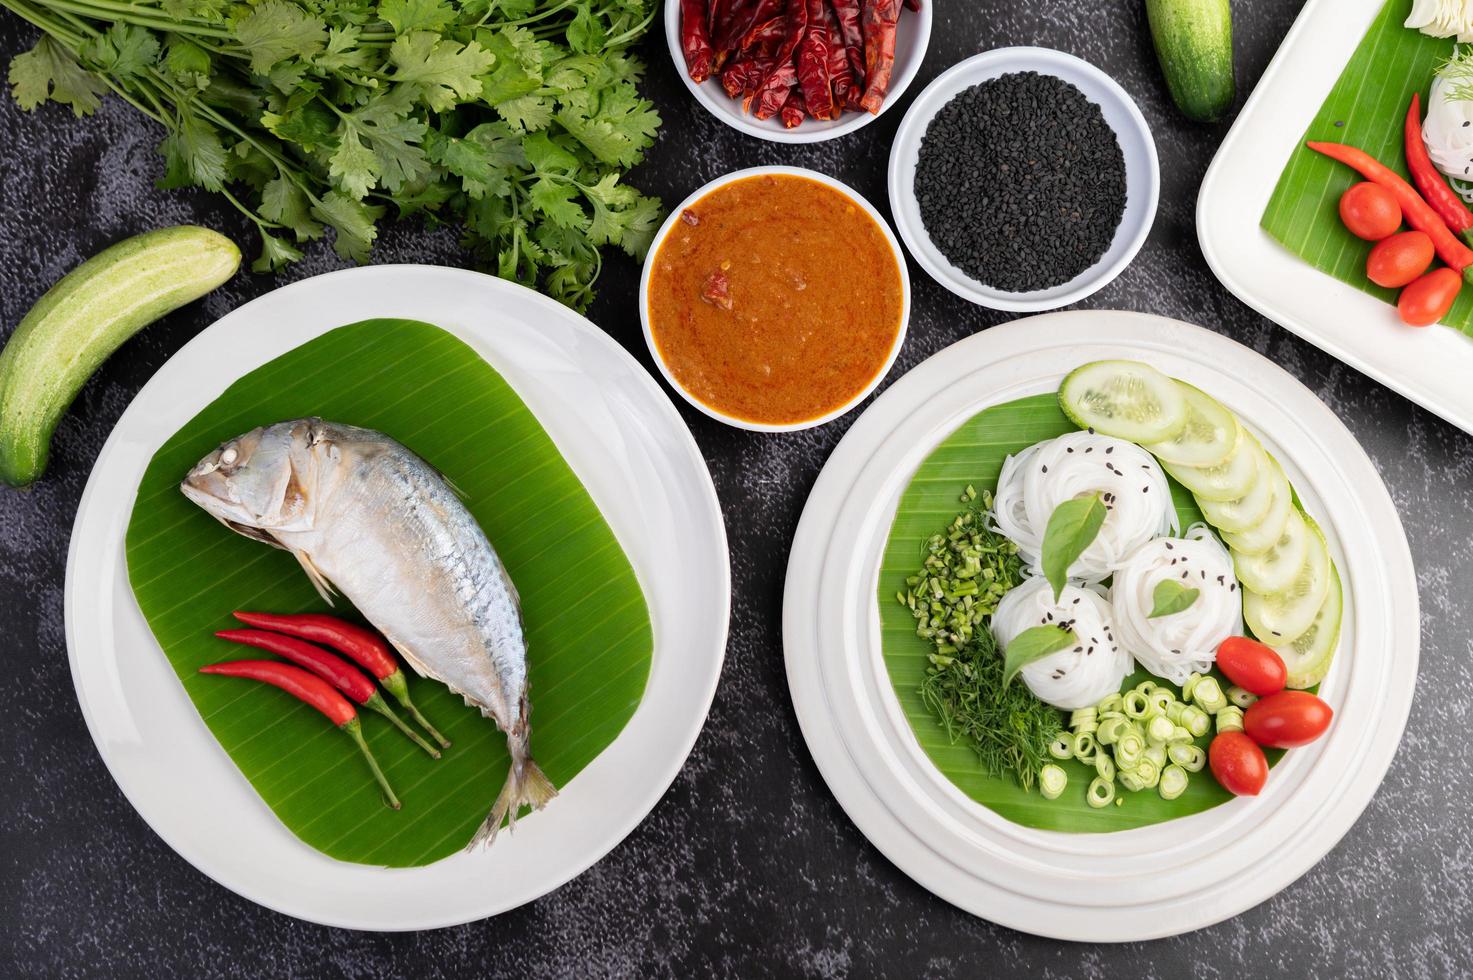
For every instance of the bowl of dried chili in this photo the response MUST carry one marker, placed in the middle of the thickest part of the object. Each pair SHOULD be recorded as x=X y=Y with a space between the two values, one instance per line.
x=774 y=299
x=797 y=71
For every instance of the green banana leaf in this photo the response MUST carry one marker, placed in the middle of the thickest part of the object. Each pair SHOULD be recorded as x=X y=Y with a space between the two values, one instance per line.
x=1367 y=108
x=588 y=628
x=974 y=455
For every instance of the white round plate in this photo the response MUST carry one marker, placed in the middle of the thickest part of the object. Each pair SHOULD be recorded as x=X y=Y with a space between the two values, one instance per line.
x=627 y=444
x=1129 y=885
x=912 y=35
x=1142 y=174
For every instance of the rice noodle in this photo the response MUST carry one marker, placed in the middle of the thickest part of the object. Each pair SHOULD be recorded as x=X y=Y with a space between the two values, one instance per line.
x=1046 y=474
x=1077 y=676
x=1174 y=646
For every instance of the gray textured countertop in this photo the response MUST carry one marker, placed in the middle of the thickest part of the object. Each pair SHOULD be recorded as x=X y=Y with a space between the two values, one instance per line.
x=747 y=867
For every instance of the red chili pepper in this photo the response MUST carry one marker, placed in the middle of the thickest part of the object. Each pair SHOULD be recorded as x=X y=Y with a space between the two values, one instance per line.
x=311 y=690
x=813 y=65
x=846 y=13
x=363 y=647
x=1417 y=212
x=773 y=91
x=878 y=20
x=336 y=671
x=741 y=23
x=695 y=40
x=743 y=74
x=1434 y=188
x=913 y=5
x=845 y=94
x=793 y=110
x=764 y=39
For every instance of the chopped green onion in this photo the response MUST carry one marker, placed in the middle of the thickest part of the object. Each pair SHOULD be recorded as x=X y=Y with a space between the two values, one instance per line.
x=1197 y=721
x=1061 y=747
x=1083 y=716
x=1160 y=699
x=1131 y=780
x=1179 y=735
x=1241 y=697
x=1189 y=757
x=1159 y=729
x=1145 y=687
x=1190 y=686
x=1085 y=746
x=1104 y=766
x=1208 y=695
x=1051 y=781
x=1230 y=719
x=1148 y=771
x=1111 y=729
x=1173 y=782
x=1136 y=704
x=1101 y=793
x=1155 y=754
x=1128 y=749
x=1112 y=702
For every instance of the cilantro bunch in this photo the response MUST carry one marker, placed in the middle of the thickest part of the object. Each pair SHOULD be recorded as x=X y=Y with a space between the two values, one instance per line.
x=515 y=120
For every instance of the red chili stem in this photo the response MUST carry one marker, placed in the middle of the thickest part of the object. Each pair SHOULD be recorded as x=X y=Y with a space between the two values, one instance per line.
x=311 y=690
x=362 y=646
x=335 y=670
x=1418 y=213
x=1448 y=205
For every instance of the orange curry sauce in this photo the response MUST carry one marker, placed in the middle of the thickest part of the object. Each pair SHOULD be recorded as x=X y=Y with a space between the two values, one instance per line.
x=775 y=299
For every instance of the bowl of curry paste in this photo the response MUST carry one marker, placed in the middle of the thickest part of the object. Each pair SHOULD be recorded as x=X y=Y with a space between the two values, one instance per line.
x=774 y=299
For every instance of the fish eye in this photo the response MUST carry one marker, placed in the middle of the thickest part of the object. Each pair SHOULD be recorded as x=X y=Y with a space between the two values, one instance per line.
x=229 y=456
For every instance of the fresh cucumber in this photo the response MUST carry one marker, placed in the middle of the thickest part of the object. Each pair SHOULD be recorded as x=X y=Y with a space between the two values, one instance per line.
x=1194 y=43
x=1249 y=510
x=1230 y=479
x=84 y=318
x=1284 y=616
x=1207 y=438
x=1125 y=399
x=1275 y=569
x=1308 y=658
x=1262 y=536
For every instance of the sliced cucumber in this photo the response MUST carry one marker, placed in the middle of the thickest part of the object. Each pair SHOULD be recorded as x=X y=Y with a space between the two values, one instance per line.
x=1230 y=479
x=1275 y=569
x=1283 y=617
x=1125 y=399
x=1263 y=535
x=1208 y=437
x=1308 y=657
x=1245 y=513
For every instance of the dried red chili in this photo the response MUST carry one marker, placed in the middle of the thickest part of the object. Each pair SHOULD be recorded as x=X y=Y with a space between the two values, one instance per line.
x=841 y=75
x=846 y=13
x=741 y=21
x=877 y=20
x=813 y=65
x=695 y=40
x=793 y=110
x=773 y=91
x=717 y=290
x=765 y=38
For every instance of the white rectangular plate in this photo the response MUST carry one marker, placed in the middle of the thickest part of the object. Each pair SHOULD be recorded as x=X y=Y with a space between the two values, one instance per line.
x=1431 y=366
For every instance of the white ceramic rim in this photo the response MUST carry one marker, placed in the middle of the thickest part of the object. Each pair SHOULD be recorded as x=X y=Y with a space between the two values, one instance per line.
x=913 y=36
x=183 y=784
x=1430 y=366
x=1131 y=885
x=1121 y=112
x=731 y=178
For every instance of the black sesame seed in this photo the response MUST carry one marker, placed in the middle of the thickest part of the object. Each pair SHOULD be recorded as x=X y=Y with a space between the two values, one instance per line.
x=1021 y=182
x=1169 y=546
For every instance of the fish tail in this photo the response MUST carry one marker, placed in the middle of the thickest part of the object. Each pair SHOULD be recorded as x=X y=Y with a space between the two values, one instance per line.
x=526 y=785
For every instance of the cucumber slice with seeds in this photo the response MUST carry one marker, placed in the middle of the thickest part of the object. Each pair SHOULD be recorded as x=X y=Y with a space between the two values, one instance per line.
x=1230 y=479
x=1125 y=399
x=1274 y=570
x=1262 y=536
x=1208 y=437
x=1283 y=617
x=1249 y=510
x=1308 y=658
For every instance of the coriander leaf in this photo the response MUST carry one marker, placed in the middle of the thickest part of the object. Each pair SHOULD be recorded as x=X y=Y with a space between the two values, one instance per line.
x=441 y=73
x=526 y=114
x=122 y=50
x=393 y=135
x=471 y=161
x=1033 y=644
x=283 y=202
x=617 y=128
x=187 y=62
x=275 y=253
x=546 y=156
x=641 y=222
x=1071 y=528
x=1170 y=597
x=49 y=71
x=424 y=196
x=276 y=31
x=586 y=33
x=352 y=220
x=309 y=126
x=248 y=165
x=342 y=50
x=414 y=15
x=287 y=77
x=353 y=167
x=206 y=10
x=556 y=201
x=193 y=155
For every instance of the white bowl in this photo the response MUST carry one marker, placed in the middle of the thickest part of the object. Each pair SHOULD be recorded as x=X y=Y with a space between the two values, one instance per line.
x=912 y=34
x=827 y=181
x=1142 y=174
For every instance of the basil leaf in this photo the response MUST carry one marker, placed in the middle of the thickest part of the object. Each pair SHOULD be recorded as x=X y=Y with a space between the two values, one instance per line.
x=1071 y=528
x=1033 y=644
x=1170 y=596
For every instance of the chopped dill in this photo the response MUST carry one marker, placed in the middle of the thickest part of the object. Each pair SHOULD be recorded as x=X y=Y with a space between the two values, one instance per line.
x=1458 y=70
x=966 y=570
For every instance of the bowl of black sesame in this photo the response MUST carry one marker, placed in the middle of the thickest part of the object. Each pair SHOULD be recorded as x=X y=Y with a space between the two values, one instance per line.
x=1023 y=179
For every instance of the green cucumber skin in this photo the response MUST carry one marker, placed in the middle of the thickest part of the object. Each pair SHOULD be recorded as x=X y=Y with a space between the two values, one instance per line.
x=1194 y=43
x=86 y=316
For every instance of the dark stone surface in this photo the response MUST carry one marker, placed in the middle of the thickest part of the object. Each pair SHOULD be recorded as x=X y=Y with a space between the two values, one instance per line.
x=747 y=867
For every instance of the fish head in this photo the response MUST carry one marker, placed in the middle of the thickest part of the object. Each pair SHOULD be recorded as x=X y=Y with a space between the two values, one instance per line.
x=261 y=482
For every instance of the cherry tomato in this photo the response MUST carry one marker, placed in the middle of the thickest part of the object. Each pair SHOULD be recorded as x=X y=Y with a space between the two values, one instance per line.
x=1428 y=299
x=1287 y=719
x=1238 y=763
x=1397 y=260
x=1369 y=211
x=1251 y=665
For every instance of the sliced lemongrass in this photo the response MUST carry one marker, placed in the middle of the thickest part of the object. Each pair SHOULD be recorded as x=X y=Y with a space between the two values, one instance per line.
x=1051 y=781
x=1061 y=747
x=1189 y=757
x=1230 y=719
x=1104 y=765
x=1085 y=746
x=1173 y=782
x=1159 y=729
x=1101 y=792
x=1240 y=697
